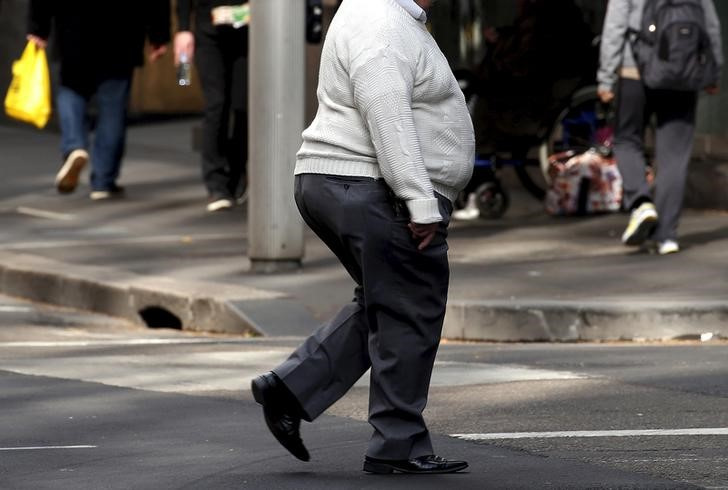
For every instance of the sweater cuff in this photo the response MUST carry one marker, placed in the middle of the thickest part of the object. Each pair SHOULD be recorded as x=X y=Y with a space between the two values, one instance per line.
x=606 y=87
x=424 y=211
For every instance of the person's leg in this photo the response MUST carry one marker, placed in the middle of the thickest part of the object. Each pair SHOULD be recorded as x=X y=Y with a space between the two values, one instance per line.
x=632 y=110
x=112 y=97
x=675 y=132
x=238 y=156
x=71 y=107
x=394 y=327
x=629 y=142
x=335 y=356
x=329 y=362
x=209 y=58
x=237 y=65
x=406 y=293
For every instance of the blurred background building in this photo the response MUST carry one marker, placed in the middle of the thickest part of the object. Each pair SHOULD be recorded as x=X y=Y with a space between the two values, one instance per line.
x=462 y=27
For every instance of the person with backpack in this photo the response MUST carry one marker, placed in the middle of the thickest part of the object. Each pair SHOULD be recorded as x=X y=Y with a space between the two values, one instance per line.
x=656 y=55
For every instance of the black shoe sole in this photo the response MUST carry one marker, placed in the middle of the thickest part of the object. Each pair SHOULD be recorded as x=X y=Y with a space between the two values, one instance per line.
x=642 y=233
x=388 y=469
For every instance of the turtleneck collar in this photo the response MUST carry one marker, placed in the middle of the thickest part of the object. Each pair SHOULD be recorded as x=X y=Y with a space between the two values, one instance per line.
x=413 y=9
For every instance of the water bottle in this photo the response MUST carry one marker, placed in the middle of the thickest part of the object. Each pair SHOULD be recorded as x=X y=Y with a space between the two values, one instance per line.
x=184 y=70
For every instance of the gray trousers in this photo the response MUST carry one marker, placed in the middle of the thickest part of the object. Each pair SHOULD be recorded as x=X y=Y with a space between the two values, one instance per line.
x=675 y=114
x=394 y=323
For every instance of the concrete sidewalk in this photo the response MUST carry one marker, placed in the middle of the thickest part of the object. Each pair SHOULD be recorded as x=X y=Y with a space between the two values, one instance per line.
x=157 y=257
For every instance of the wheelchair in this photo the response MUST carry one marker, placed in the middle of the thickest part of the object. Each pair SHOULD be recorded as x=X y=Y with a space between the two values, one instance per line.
x=521 y=132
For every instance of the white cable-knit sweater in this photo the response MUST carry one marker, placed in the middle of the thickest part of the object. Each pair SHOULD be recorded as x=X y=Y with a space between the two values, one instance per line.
x=389 y=107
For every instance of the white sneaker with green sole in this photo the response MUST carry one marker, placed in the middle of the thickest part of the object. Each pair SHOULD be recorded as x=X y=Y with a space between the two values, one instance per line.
x=641 y=224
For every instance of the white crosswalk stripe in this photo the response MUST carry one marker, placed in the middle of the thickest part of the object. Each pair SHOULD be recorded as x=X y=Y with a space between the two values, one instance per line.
x=593 y=433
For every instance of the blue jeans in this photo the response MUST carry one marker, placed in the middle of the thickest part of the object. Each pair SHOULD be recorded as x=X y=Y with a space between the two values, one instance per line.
x=112 y=96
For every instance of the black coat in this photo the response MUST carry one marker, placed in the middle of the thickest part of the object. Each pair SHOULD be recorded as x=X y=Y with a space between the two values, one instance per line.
x=98 y=39
x=185 y=9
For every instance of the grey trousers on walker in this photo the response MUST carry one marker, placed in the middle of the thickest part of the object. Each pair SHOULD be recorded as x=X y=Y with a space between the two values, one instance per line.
x=675 y=112
x=394 y=323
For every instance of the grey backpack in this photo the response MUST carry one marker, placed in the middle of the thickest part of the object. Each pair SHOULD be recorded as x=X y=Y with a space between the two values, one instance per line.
x=673 y=48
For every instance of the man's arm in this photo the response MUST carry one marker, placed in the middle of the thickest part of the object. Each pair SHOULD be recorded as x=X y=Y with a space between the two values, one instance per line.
x=712 y=24
x=40 y=15
x=184 y=40
x=614 y=36
x=184 y=15
x=383 y=81
x=158 y=27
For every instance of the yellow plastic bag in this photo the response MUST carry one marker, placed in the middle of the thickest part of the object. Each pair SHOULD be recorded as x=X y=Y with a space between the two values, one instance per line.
x=29 y=96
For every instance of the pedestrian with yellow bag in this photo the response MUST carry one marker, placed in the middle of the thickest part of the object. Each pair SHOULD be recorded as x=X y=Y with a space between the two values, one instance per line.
x=99 y=44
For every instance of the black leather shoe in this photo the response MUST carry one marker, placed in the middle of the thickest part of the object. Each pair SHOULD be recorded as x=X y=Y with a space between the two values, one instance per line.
x=281 y=413
x=424 y=465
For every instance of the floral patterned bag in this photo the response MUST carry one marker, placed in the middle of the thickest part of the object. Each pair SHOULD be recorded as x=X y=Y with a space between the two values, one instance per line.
x=584 y=183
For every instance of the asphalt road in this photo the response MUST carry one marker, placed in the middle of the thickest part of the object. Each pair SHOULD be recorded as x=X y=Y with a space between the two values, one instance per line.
x=91 y=402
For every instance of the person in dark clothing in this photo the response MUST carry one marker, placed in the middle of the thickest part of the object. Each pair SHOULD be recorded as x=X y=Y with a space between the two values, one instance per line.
x=98 y=44
x=219 y=48
x=530 y=70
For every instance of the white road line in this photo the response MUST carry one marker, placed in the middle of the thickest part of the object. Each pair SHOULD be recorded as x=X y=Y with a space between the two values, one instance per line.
x=95 y=240
x=35 y=448
x=15 y=309
x=121 y=342
x=42 y=213
x=663 y=460
x=593 y=433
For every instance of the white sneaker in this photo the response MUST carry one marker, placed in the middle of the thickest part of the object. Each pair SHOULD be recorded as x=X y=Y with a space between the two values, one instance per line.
x=115 y=192
x=666 y=247
x=67 y=176
x=219 y=204
x=641 y=224
x=470 y=211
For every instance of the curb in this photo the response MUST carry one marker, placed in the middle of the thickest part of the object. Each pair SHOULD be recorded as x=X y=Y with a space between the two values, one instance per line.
x=247 y=311
x=568 y=321
x=182 y=305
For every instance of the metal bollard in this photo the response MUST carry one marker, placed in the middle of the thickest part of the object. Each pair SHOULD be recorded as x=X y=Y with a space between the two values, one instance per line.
x=276 y=104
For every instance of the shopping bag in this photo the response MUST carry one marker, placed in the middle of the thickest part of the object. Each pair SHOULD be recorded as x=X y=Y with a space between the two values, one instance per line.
x=585 y=183
x=29 y=96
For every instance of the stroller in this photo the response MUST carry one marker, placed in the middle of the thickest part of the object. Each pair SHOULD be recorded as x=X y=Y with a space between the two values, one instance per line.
x=533 y=95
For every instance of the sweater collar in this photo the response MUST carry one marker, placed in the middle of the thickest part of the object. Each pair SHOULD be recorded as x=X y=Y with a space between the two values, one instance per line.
x=413 y=9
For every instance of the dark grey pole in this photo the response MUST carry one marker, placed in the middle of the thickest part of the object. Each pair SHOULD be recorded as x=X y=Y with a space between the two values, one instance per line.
x=277 y=70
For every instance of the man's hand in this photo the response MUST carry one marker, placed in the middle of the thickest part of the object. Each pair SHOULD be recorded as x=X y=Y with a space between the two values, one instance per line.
x=423 y=233
x=38 y=41
x=606 y=96
x=184 y=42
x=157 y=51
x=712 y=90
x=491 y=34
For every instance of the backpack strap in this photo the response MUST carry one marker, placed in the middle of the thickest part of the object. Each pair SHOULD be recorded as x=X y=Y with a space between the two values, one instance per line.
x=633 y=34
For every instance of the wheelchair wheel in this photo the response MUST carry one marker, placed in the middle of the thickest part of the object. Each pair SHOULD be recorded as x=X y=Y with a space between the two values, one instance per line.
x=575 y=128
x=492 y=199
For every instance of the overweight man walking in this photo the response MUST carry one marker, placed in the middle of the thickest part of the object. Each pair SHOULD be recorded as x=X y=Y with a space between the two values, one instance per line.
x=390 y=148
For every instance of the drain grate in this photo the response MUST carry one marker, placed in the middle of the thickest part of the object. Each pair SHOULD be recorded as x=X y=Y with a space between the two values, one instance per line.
x=158 y=317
